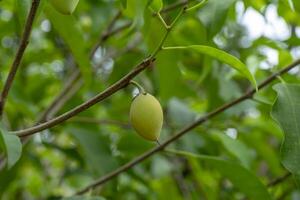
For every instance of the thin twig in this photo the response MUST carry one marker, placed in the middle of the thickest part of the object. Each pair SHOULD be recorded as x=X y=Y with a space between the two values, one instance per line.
x=279 y=180
x=73 y=90
x=109 y=32
x=69 y=84
x=74 y=82
x=123 y=82
x=185 y=130
x=84 y=106
x=18 y=58
x=76 y=75
x=174 y=6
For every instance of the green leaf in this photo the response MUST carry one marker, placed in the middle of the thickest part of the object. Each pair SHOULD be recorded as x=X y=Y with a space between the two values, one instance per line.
x=67 y=27
x=295 y=5
x=95 y=148
x=214 y=14
x=240 y=177
x=156 y=5
x=135 y=10
x=286 y=112
x=221 y=56
x=168 y=64
x=284 y=58
x=197 y=6
x=124 y=3
x=237 y=149
x=12 y=146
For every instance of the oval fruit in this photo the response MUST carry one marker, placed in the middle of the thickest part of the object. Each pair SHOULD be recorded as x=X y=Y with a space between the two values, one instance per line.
x=146 y=116
x=65 y=7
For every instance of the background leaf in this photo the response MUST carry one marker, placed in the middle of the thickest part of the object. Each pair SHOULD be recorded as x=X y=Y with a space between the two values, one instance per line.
x=12 y=146
x=237 y=148
x=264 y=35
x=223 y=57
x=67 y=27
x=240 y=177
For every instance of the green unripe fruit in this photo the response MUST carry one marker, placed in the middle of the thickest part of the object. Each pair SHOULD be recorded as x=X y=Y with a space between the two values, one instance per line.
x=65 y=7
x=146 y=116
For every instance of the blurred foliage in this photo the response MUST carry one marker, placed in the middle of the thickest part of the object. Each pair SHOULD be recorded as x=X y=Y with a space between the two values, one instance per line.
x=60 y=161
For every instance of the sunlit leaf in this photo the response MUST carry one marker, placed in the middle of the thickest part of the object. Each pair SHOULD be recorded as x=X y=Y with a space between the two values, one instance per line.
x=221 y=56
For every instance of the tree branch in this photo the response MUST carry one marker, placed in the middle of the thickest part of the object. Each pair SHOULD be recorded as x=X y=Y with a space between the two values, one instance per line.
x=123 y=82
x=109 y=32
x=68 y=86
x=61 y=98
x=103 y=95
x=74 y=82
x=20 y=53
x=185 y=130
x=174 y=6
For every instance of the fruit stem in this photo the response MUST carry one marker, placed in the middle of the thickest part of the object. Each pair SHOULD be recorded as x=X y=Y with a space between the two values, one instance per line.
x=140 y=88
x=158 y=142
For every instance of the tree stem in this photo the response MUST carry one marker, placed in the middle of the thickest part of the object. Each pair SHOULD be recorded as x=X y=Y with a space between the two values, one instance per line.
x=18 y=58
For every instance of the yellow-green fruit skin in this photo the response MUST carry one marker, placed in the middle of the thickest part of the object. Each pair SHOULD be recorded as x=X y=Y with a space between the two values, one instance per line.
x=146 y=116
x=65 y=7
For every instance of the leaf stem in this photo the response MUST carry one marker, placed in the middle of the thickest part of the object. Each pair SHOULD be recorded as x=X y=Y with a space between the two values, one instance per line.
x=182 y=11
x=163 y=21
x=168 y=30
x=281 y=79
x=197 y=6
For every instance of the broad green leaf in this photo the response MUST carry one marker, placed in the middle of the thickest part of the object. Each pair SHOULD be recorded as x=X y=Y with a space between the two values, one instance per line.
x=156 y=5
x=12 y=146
x=95 y=148
x=286 y=112
x=165 y=188
x=236 y=148
x=221 y=56
x=284 y=58
x=124 y=3
x=295 y=5
x=67 y=27
x=240 y=177
x=168 y=64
